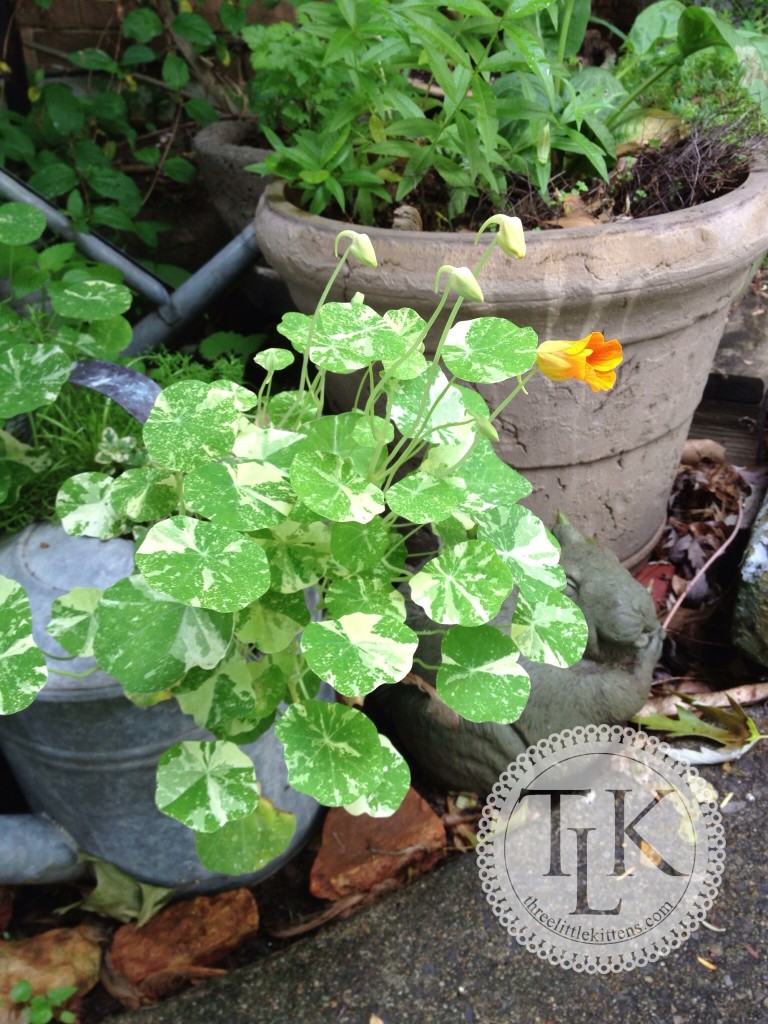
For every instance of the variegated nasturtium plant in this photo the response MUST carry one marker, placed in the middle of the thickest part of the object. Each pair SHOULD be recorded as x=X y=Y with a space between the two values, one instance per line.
x=272 y=557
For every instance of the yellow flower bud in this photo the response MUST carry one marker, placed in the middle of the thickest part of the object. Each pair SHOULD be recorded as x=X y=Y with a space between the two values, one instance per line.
x=462 y=281
x=360 y=246
x=510 y=235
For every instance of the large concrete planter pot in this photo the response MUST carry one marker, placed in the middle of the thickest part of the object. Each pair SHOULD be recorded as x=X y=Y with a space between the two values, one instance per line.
x=662 y=285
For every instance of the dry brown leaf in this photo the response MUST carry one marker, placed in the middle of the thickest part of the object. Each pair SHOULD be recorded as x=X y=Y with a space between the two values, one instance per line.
x=694 y=451
x=748 y=694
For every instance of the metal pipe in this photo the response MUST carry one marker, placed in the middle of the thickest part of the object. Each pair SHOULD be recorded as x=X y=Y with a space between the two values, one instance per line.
x=140 y=280
x=196 y=293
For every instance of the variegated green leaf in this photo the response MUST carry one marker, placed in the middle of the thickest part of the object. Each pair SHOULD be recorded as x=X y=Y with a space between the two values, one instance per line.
x=422 y=498
x=356 y=547
x=248 y=844
x=89 y=300
x=26 y=455
x=523 y=543
x=148 y=642
x=145 y=494
x=225 y=701
x=548 y=627
x=203 y=565
x=329 y=485
x=465 y=585
x=332 y=751
x=272 y=622
x=360 y=651
x=489 y=350
x=375 y=593
x=84 y=505
x=31 y=376
x=20 y=223
x=205 y=784
x=444 y=417
x=343 y=434
x=479 y=675
x=22 y=666
x=370 y=433
x=410 y=327
x=291 y=410
x=298 y=554
x=266 y=444
x=73 y=620
x=347 y=337
x=192 y=423
x=245 y=496
x=392 y=789
x=485 y=481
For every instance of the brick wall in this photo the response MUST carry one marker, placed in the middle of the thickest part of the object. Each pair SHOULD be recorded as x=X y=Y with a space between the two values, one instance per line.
x=74 y=24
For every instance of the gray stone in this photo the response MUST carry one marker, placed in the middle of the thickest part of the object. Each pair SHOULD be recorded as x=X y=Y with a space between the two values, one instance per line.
x=750 y=620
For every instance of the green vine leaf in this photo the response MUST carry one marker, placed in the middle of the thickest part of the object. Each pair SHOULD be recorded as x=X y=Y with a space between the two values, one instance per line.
x=20 y=223
x=205 y=784
x=272 y=622
x=356 y=547
x=489 y=350
x=148 y=642
x=330 y=486
x=145 y=493
x=392 y=788
x=31 y=376
x=372 y=591
x=192 y=423
x=23 y=672
x=84 y=505
x=485 y=481
x=203 y=565
x=244 y=846
x=423 y=498
x=82 y=299
x=523 y=543
x=548 y=627
x=245 y=496
x=358 y=652
x=479 y=675
x=332 y=751
x=73 y=620
x=465 y=585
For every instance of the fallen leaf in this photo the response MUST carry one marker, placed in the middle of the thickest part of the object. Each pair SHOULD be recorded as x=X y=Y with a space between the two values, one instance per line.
x=119 y=896
x=750 y=693
x=706 y=963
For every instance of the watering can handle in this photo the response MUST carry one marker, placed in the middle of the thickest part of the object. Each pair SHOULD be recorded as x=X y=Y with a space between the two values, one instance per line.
x=129 y=388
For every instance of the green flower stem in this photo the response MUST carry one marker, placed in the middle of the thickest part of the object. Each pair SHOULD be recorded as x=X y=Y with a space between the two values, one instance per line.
x=425 y=664
x=565 y=24
x=304 y=379
x=515 y=391
x=613 y=118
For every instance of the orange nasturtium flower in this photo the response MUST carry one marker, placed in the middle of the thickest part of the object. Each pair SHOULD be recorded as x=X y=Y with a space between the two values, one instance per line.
x=591 y=359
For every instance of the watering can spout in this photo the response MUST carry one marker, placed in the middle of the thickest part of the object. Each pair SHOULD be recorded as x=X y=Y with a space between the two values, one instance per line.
x=34 y=850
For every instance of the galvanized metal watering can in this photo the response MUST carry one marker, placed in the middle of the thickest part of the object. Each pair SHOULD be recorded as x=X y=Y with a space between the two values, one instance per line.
x=84 y=756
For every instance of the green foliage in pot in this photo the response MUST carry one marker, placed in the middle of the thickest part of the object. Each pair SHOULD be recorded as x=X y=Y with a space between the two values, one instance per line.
x=252 y=508
x=466 y=93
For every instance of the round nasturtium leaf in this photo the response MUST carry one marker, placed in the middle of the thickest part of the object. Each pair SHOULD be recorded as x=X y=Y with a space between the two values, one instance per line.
x=89 y=300
x=272 y=622
x=31 y=376
x=192 y=423
x=484 y=479
x=523 y=543
x=358 y=652
x=206 y=783
x=84 y=505
x=437 y=418
x=202 y=564
x=248 y=844
x=423 y=498
x=20 y=223
x=356 y=547
x=104 y=339
x=329 y=485
x=245 y=496
x=224 y=701
x=332 y=751
x=465 y=585
x=375 y=593
x=298 y=554
x=392 y=789
x=23 y=672
x=411 y=328
x=548 y=627
x=145 y=494
x=480 y=676
x=148 y=642
x=73 y=620
x=489 y=350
